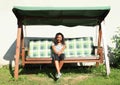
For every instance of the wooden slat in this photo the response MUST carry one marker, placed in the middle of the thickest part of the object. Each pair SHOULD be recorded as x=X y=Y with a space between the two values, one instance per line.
x=38 y=59
x=66 y=60
x=81 y=60
x=38 y=62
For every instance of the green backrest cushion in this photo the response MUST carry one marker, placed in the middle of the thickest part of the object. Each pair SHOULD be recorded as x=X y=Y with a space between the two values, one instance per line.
x=75 y=47
x=40 y=48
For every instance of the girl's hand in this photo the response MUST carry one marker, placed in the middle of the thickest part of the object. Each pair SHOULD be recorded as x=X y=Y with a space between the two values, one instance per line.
x=59 y=53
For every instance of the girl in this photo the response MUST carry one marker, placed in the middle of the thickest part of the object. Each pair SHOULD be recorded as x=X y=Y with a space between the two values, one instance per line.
x=58 y=47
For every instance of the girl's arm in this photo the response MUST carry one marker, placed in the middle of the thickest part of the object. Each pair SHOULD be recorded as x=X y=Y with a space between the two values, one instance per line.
x=62 y=50
x=54 y=49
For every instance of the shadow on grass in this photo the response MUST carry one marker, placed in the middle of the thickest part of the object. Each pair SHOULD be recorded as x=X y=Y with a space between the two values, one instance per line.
x=11 y=69
x=50 y=71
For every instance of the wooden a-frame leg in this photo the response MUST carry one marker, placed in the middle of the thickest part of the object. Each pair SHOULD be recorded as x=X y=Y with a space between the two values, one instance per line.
x=99 y=49
x=17 y=55
x=23 y=49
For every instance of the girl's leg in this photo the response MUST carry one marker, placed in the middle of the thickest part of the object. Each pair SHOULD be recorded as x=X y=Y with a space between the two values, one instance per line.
x=57 y=66
x=62 y=56
x=56 y=62
x=61 y=64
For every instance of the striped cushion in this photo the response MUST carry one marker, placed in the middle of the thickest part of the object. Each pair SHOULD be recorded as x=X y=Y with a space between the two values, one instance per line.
x=76 y=47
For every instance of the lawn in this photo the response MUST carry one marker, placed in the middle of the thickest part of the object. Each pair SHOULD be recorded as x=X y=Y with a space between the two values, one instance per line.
x=71 y=75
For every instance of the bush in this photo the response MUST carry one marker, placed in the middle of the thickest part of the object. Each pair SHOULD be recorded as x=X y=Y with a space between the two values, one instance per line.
x=115 y=52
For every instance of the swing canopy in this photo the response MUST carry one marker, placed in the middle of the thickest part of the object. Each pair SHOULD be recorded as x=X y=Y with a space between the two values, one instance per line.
x=68 y=16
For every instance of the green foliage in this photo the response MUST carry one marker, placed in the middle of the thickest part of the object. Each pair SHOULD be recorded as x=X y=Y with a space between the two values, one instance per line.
x=115 y=52
x=99 y=70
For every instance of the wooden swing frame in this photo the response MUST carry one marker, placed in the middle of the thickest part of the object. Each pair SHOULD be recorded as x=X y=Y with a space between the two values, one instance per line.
x=20 y=48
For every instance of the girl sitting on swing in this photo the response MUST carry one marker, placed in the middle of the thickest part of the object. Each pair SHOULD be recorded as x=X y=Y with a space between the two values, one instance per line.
x=58 y=55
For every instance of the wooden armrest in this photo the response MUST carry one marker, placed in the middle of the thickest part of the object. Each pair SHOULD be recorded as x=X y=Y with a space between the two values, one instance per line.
x=97 y=50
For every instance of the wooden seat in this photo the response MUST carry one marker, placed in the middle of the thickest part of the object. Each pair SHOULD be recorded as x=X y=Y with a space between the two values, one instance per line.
x=78 y=50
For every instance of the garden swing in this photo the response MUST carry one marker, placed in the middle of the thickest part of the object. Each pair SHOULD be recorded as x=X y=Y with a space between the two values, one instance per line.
x=79 y=49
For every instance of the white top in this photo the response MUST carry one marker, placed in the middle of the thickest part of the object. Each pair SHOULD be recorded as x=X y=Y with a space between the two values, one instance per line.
x=58 y=46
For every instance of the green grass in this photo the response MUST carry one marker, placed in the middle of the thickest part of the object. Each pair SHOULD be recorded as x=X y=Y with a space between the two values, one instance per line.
x=33 y=75
x=113 y=79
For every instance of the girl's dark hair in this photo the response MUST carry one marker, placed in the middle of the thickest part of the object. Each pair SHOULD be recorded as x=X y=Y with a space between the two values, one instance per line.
x=55 y=39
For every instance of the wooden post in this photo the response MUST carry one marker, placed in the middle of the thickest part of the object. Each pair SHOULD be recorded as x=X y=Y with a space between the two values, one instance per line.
x=23 y=48
x=100 y=50
x=17 y=54
x=107 y=64
x=99 y=36
x=99 y=44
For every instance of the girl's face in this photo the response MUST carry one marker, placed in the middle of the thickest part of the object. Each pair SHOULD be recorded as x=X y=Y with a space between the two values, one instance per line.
x=59 y=38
